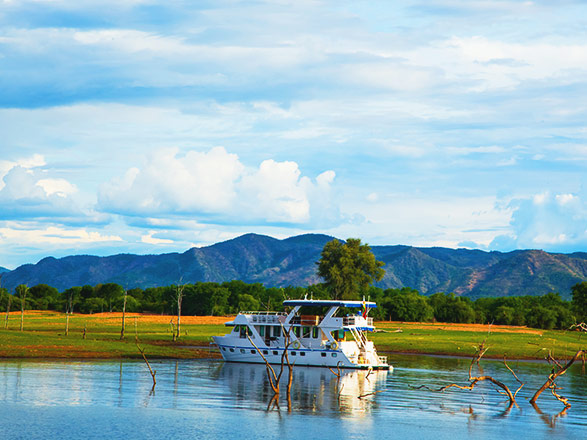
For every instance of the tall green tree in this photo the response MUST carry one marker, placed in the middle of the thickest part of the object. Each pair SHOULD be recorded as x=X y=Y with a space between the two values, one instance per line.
x=348 y=268
x=579 y=292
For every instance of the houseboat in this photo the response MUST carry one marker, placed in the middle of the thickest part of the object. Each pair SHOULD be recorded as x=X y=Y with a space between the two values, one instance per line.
x=312 y=331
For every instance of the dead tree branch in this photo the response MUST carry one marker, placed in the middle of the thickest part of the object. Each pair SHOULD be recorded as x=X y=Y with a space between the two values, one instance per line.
x=550 y=382
x=474 y=380
x=153 y=373
x=581 y=327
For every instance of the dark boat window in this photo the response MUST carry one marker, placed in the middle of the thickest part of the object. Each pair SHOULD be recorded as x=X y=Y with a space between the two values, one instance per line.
x=315 y=332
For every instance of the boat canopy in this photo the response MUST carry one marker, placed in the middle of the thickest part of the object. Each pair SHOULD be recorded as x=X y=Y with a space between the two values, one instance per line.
x=329 y=303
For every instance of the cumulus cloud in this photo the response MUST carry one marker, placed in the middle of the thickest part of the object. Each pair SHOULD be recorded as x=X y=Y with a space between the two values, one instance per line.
x=168 y=183
x=215 y=186
x=546 y=221
x=29 y=191
x=25 y=195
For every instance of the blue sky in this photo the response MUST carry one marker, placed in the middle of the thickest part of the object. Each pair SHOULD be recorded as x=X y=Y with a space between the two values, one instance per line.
x=149 y=127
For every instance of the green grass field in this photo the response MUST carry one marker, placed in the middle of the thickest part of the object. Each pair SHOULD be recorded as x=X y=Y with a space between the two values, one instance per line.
x=44 y=338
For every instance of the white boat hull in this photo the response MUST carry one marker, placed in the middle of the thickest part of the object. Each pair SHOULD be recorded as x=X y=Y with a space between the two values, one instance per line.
x=302 y=356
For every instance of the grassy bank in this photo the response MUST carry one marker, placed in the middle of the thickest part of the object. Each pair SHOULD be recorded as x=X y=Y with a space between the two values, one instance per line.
x=44 y=338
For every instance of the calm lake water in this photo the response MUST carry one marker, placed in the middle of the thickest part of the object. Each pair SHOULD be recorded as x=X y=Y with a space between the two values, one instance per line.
x=207 y=399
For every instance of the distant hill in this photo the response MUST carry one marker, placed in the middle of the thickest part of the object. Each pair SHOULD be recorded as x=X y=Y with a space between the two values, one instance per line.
x=273 y=262
x=3 y=269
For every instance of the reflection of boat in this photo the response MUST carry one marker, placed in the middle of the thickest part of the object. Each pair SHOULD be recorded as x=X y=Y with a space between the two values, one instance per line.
x=313 y=389
x=316 y=336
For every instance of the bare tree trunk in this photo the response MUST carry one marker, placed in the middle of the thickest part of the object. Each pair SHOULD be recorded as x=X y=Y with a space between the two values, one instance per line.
x=123 y=315
x=180 y=288
x=22 y=294
x=7 y=311
x=68 y=310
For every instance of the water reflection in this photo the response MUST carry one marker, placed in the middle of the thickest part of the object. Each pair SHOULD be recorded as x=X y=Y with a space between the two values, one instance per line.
x=314 y=390
x=209 y=399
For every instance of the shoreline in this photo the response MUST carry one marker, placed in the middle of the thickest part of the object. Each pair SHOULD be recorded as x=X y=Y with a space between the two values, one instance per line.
x=44 y=338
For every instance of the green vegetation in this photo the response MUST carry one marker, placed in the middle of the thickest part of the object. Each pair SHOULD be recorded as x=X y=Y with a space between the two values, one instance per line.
x=549 y=311
x=348 y=268
x=44 y=338
x=447 y=339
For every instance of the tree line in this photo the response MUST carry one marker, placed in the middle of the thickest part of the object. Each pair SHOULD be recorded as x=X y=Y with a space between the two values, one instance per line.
x=549 y=311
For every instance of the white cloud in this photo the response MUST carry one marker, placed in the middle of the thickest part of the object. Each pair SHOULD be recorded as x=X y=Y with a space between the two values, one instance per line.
x=195 y=182
x=29 y=191
x=546 y=221
x=55 y=236
x=216 y=186
x=150 y=239
x=60 y=187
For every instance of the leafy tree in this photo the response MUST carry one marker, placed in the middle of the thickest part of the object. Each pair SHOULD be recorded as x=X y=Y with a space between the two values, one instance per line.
x=72 y=297
x=348 y=268
x=109 y=292
x=579 y=292
x=43 y=297
x=407 y=305
x=450 y=308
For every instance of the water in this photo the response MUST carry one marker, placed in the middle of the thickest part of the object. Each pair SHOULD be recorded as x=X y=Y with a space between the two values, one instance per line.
x=207 y=399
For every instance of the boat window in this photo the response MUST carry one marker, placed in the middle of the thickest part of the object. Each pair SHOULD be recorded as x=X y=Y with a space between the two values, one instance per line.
x=242 y=350
x=223 y=348
x=333 y=355
x=297 y=331
x=262 y=330
x=253 y=352
x=302 y=353
x=293 y=353
x=244 y=331
x=275 y=352
x=315 y=332
x=236 y=329
x=277 y=331
x=265 y=352
x=323 y=355
x=338 y=334
x=306 y=332
x=232 y=350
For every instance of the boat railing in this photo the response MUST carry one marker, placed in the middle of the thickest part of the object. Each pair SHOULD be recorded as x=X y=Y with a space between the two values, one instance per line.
x=264 y=317
x=357 y=320
x=382 y=360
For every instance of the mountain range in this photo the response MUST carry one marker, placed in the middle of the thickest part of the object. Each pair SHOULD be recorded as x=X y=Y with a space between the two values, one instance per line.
x=292 y=261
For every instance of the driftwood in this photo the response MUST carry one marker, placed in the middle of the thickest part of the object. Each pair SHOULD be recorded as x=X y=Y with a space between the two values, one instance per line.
x=153 y=373
x=474 y=380
x=550 y=382
x=581 y=327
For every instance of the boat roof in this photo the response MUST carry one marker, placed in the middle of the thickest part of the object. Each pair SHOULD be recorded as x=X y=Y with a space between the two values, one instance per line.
x=329 y=303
